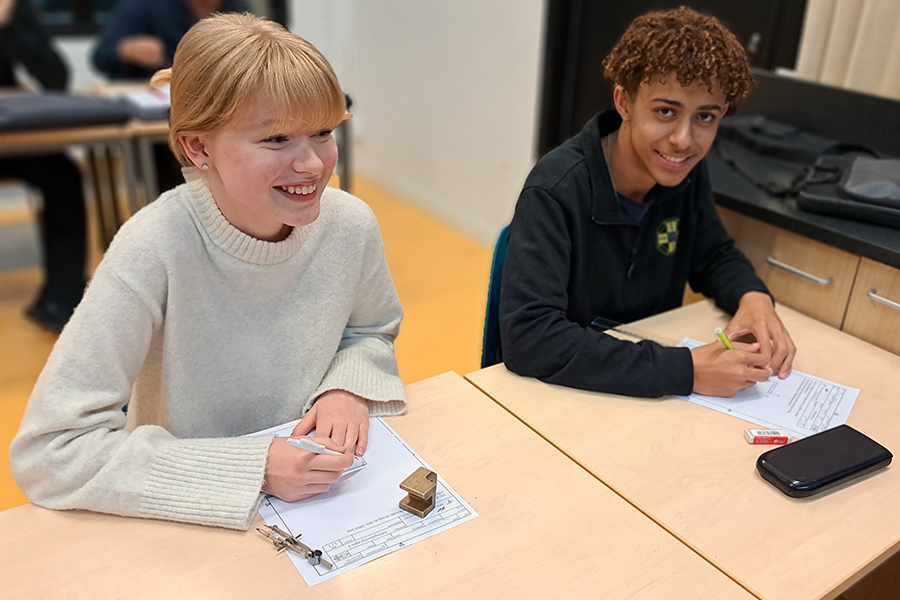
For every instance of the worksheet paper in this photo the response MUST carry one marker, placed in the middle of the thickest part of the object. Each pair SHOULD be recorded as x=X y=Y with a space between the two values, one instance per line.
x=803 y=404
x=359 y=519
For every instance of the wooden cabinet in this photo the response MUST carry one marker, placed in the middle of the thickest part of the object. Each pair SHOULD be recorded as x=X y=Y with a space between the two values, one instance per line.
x=857 y=295
x=874 y=311
x=806 y=275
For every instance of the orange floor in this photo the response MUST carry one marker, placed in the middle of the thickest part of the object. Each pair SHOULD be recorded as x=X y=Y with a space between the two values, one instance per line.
x=441 y=278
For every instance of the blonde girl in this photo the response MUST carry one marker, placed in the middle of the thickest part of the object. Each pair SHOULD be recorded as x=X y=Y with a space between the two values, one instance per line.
x=248 y=297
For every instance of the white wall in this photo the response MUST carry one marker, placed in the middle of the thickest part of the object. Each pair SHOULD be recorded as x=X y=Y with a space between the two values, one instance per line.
x=76 y=51
x=446 y=97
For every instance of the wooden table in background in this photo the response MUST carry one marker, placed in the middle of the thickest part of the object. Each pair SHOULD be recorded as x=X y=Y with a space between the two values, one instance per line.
x=113 y=189
x=546 y=529
x=689 y=468
x=145 y=135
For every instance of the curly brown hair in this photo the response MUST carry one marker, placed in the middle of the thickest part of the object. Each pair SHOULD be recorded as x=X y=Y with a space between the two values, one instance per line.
x=693 y=45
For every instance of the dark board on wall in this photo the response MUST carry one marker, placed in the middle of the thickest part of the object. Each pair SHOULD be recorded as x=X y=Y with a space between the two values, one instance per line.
x=580 y=33
x=89 y=17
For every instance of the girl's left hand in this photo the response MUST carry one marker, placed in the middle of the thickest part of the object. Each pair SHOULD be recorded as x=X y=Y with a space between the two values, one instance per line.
x=339 y=415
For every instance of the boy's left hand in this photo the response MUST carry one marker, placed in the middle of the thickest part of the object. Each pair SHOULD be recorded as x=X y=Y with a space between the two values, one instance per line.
x=339 y=415
x=756 y=315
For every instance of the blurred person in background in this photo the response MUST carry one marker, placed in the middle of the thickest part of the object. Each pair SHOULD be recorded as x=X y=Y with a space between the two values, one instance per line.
x=142 y=35
x=141 y=38
x=62 y=218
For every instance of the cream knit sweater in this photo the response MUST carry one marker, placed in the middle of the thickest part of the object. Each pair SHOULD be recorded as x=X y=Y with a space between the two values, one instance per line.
x=207 y=334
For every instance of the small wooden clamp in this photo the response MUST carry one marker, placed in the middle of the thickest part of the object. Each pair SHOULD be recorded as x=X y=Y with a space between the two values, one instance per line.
x=421 y=486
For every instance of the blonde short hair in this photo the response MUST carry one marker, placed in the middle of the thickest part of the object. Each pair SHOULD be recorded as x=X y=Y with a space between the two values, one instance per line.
x=226 y=61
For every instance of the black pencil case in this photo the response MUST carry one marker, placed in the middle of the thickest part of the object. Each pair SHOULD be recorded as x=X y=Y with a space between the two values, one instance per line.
x=822 y=461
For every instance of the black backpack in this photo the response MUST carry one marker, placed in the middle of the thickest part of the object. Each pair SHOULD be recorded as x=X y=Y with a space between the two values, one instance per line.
x=824 y=176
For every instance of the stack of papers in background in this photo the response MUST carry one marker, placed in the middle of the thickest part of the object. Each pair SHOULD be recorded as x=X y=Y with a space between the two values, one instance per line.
x=149 y=103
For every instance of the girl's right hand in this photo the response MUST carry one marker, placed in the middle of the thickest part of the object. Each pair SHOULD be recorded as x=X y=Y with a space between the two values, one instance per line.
x=293 y=474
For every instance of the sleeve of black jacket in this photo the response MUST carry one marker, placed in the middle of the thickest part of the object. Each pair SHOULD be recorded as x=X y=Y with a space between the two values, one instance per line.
x=128 y=20
x=24 y=41
x=537 y=338
x=719 y=270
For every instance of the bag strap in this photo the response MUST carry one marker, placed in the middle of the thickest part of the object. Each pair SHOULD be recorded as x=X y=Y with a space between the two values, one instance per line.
x=832 y=173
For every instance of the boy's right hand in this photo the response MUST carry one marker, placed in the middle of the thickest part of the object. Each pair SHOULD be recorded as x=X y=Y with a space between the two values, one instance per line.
x=293 y=474
x=145 y=51
x=722 y=372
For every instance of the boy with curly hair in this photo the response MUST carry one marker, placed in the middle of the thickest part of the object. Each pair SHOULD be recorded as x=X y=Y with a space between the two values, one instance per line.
x=612 y=224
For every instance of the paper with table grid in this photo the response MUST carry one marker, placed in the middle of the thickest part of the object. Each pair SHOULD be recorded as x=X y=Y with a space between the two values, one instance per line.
x=359 y=519
x=803 y=404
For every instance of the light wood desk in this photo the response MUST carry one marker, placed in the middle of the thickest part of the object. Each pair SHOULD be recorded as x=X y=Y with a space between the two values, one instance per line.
x=18 y=142
x=546 y=529
x=689 y=468
x=114 y=192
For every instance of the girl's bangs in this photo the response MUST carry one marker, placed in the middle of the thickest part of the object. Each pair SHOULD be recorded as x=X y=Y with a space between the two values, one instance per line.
x=309 y=101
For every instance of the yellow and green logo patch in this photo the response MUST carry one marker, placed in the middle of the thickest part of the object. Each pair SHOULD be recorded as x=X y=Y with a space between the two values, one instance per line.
x=667 y=236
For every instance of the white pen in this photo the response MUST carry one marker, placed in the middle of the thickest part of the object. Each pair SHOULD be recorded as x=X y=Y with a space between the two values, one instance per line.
x=311 y=446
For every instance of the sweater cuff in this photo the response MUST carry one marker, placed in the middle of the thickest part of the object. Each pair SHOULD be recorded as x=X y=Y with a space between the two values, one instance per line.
x=354 y=372
x=388 y=408
x=207 y=481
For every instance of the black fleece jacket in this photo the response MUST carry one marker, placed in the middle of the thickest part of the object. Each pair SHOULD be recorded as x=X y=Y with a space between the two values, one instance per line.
x=573 y=256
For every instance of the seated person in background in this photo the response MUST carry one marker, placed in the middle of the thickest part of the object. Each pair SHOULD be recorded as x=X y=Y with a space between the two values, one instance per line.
x=62 y=218
x=612 y=224
x=142 y=34
x=141 y=37
x=249 y=297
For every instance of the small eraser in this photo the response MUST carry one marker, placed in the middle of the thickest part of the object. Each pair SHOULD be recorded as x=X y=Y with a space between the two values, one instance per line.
x=767 y=436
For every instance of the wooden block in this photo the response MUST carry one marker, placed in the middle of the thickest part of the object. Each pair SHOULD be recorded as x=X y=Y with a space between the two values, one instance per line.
x=417 y=506
x=421 y=486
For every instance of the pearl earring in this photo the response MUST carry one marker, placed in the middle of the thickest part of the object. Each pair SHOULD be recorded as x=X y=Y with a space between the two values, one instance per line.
x=204 y=166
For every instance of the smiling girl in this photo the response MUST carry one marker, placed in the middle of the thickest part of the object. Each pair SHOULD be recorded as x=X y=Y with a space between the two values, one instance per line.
x=248 y=297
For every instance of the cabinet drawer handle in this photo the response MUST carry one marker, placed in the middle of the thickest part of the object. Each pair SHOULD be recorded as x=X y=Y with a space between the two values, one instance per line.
x=883 y=300
x=777 y=263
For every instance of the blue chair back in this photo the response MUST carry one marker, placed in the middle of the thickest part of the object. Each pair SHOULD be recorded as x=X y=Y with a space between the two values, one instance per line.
x=490 y=343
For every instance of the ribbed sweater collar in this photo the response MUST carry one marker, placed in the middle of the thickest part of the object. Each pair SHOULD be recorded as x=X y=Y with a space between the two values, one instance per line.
x=234 y=241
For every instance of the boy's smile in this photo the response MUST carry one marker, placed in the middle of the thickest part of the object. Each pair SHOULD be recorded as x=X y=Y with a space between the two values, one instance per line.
x=667 y=128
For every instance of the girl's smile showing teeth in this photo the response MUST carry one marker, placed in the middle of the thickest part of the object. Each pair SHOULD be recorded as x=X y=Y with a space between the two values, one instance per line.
x=298 y=190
